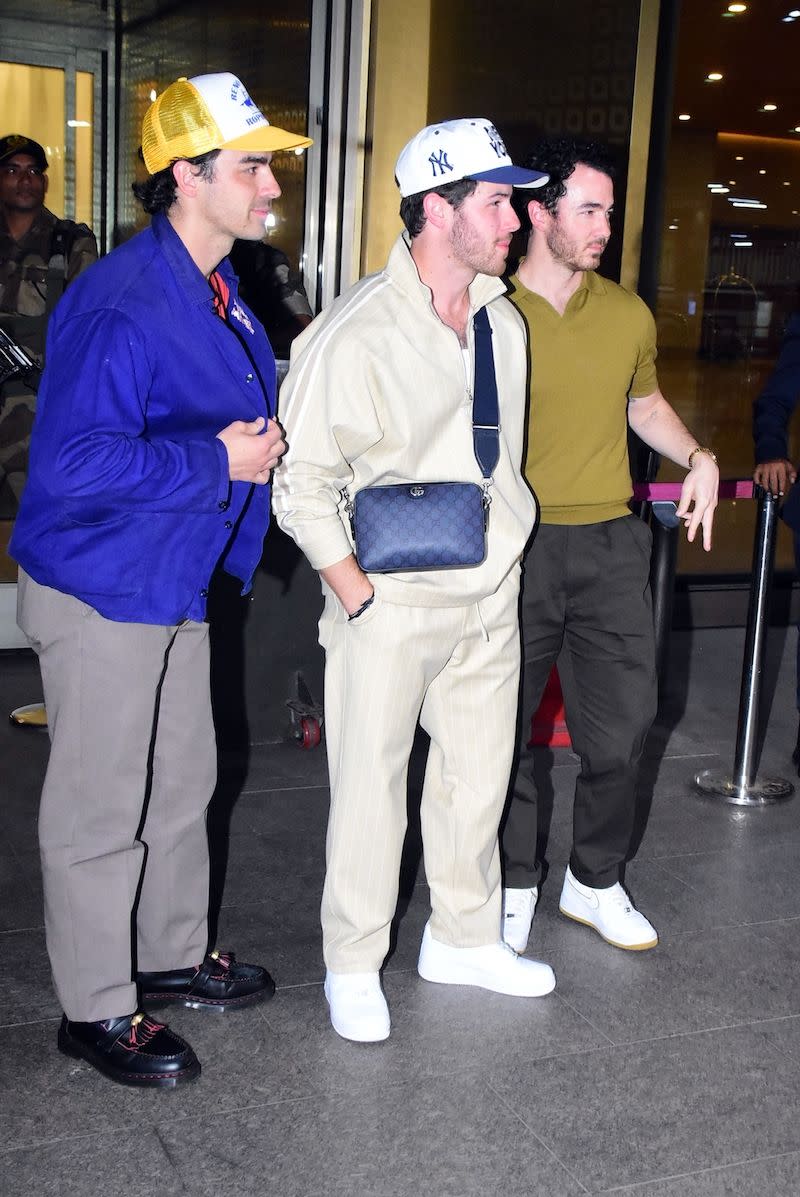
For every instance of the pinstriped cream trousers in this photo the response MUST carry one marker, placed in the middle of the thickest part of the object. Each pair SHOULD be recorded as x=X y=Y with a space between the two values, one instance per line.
x=456 y=669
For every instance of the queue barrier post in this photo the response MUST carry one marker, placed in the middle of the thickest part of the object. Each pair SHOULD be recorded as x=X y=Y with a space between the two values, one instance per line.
x=744 y=787
x=664 y=525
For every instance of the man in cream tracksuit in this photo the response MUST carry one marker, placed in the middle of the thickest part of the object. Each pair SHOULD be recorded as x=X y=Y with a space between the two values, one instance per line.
x=380 y=391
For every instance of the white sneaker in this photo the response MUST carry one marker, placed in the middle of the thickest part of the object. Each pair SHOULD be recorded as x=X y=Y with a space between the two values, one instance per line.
x=610 y=911
x=358 y=1007
x=493 y=966
x=518 y=908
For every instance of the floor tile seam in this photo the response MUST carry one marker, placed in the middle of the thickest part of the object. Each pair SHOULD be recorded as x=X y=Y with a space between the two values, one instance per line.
x=30 y=1022
x=733 y=1024
x=170 y=1119
x=542 y=1142
x=584 y=1018
x=642 y=1185
x=288 y=786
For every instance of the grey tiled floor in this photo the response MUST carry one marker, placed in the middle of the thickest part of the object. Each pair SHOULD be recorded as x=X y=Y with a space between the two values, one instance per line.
x=672 y=1073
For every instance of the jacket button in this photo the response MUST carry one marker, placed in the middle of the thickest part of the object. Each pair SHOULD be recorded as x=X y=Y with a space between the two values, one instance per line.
x=204 y=593
x=223 y=505
x=249 y=378
x=229 y=523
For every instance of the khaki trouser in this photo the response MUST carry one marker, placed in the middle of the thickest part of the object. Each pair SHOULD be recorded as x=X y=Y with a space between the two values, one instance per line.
x=457 y=670
x=132 y=769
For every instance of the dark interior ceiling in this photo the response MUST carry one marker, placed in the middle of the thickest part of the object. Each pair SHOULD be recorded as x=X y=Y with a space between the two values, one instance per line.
x=757 y=53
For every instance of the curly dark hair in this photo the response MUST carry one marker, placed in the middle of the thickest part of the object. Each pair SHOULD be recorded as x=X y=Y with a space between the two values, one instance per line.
x=558 y=157
x=412 y=213
x=157 y=192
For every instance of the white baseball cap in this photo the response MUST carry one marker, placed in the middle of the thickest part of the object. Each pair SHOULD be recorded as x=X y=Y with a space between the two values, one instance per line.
x=208 y=112
x=470 y=148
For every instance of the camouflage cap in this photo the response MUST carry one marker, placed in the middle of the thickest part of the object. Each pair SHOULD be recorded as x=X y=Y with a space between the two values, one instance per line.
x=17 y=143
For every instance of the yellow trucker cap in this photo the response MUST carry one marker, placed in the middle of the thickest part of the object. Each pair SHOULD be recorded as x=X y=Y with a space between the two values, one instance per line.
x=208 y=112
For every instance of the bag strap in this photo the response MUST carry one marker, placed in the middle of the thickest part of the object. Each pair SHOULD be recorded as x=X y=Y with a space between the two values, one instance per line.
x=485 y=411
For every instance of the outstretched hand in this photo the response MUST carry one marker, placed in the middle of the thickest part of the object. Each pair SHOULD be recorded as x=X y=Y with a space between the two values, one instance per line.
x=699 y=497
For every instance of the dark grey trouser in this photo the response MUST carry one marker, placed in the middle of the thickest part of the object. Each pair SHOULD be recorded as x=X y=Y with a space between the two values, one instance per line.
x=132 y=769
x=586 y=588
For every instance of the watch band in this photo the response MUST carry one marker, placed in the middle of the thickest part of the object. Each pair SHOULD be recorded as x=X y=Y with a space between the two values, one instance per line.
x=702 y=449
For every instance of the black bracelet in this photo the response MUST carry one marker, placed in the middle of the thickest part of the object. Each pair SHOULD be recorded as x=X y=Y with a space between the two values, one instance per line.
x=367 y=603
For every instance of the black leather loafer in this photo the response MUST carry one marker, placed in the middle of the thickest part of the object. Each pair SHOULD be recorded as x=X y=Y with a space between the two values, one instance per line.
x=134 y=1050
x=218 y=984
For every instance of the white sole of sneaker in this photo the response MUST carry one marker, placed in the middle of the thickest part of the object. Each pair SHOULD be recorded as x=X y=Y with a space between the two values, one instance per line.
x=626 y=947
x=463 y=975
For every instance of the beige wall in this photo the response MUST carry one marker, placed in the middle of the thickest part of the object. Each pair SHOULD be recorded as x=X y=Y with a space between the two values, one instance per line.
x=398 y=108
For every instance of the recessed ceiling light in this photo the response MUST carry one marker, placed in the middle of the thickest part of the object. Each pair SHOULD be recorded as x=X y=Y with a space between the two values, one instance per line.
x=794 y=13
x=762 y=172
x=734 y=8
x=770 y=108
x=796 y=129
x=740 y=157
x=713 y=77
x=786 y=183
x=743 y=244
x=672 y=226
x=684 y=116
x=731 y=182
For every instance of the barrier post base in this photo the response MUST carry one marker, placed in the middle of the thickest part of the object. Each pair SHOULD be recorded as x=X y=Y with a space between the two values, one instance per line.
x=762 y=791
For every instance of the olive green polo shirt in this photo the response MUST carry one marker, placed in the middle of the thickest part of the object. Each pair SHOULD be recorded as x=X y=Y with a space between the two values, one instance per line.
x=585 y=365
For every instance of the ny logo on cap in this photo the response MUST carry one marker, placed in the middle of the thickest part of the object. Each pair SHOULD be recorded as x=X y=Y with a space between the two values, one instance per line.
x=439 y=162
x=496 y=141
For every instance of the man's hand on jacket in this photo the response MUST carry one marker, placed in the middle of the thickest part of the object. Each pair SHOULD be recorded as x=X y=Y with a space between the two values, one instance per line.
x=253 y=452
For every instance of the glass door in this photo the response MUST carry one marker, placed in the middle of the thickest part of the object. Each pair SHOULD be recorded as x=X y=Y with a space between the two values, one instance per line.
x=53 y=102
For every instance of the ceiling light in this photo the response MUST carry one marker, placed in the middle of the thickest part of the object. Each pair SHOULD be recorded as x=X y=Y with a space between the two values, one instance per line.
x=743 y=244
x=740 y=157
x=672 y=226
x=762 y=172
x=737 y=203
x=684 y=116
x=794 y=13
x=738 y=236
x=713 y=77
x=786 y=183
x=153 y=94
x=79 y=125
x=796 y=129
x=770 y=108
x=735 y=8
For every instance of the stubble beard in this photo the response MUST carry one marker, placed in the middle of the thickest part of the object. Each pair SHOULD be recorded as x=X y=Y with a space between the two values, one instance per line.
x=568 y=252
x=468 y=247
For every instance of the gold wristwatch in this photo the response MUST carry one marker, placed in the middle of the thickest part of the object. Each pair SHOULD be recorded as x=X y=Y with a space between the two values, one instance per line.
x=702 y=449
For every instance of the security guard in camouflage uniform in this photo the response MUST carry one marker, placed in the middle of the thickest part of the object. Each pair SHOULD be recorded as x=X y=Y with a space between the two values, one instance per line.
x=40 y=254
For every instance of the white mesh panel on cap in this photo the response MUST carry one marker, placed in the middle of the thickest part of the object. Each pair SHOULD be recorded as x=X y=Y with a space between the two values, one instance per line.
x=229 y=103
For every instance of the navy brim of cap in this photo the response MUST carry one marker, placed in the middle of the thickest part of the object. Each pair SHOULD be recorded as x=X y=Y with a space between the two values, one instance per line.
x=517 y=176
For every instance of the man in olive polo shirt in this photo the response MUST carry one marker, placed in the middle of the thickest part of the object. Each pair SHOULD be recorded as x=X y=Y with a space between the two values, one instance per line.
x=585 y=585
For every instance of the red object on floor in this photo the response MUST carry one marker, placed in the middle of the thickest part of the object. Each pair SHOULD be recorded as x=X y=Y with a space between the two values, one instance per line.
x=549 y=724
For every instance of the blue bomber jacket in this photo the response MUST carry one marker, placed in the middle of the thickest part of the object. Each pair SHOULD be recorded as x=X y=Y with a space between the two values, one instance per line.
x=128 y=504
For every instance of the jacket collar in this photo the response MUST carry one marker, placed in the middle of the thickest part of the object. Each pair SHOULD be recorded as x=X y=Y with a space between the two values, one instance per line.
x=188 y=274
x=402 y=270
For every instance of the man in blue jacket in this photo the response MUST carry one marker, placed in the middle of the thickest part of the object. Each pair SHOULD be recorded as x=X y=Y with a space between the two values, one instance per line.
x=774 y=471
x=150 y=463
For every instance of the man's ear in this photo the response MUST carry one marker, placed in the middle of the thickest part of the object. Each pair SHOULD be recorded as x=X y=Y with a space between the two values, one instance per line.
x=538 y=215
x=437 y=210
x=46 y=178
x=186 y=176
